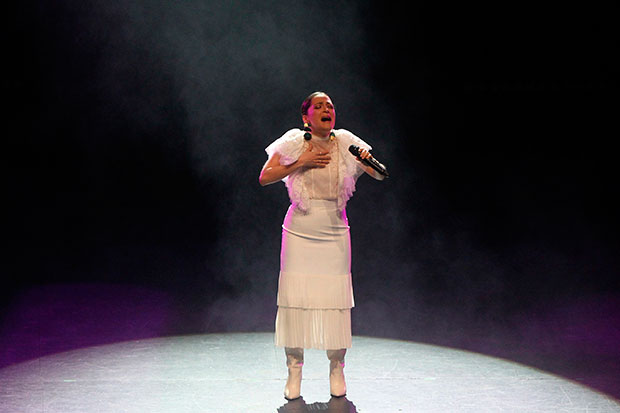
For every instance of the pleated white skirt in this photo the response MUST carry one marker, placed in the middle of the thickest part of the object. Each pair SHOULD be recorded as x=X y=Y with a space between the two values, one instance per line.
x=315 y=294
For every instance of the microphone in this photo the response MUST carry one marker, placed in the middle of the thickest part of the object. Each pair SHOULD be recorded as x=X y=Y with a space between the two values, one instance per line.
x=372 y=162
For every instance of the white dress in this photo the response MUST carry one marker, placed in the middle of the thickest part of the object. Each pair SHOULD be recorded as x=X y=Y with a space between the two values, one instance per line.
x=315 y=293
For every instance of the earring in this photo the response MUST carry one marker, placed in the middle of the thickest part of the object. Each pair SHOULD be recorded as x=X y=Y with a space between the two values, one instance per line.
x=307 y=135
x=332 y=136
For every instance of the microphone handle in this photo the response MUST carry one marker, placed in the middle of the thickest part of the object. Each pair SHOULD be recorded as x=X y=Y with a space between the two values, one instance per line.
x=372 y=162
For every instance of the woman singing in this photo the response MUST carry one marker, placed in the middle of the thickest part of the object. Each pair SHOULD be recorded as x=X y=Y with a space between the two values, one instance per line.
x=315 y=293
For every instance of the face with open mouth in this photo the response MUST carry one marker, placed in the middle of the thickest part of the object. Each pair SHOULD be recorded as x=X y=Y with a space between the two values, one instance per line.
x=321 y=115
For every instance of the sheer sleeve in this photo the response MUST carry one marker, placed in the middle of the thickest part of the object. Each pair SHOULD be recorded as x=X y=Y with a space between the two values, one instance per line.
x=289 y=146
x=349 y=168
x=352 y=168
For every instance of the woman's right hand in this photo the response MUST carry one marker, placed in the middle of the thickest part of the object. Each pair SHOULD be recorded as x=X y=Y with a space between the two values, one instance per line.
x=273 y=171
x=311 y=159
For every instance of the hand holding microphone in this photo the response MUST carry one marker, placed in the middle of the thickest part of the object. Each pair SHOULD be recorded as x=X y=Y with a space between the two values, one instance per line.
x=370 y=161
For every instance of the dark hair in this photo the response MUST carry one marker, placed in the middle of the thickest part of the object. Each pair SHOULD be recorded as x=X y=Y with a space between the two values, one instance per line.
x=305 y=105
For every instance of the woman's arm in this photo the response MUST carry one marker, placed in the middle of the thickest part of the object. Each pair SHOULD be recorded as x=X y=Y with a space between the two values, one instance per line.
x=273 y=171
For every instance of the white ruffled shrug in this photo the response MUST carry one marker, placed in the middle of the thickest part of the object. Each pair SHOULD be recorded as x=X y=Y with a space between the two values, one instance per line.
x=291 y=145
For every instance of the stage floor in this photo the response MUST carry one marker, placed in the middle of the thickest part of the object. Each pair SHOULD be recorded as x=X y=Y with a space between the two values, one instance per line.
x=246 y=373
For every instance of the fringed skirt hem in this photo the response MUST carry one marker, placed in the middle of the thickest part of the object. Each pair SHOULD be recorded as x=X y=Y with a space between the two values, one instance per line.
x=311 y=328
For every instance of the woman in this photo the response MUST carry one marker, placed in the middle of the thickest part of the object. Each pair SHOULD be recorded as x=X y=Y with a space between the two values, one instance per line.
x=315 y=294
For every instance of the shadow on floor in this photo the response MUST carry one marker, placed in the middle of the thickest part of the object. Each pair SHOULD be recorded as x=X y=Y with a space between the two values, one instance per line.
x=334 y=405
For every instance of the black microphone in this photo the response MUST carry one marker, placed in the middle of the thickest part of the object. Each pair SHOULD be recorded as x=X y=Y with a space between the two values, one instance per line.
x=372 y=162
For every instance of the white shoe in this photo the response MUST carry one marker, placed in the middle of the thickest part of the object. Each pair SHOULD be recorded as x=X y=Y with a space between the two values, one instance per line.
x=295 y=362
x=337 y=385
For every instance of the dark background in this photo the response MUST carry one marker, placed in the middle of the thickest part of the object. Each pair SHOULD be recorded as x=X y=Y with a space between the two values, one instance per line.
x=135 y=134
